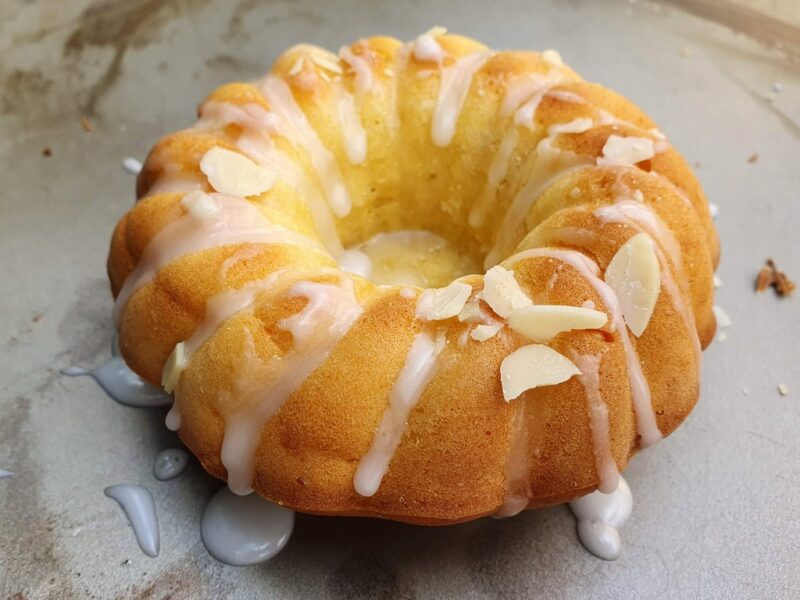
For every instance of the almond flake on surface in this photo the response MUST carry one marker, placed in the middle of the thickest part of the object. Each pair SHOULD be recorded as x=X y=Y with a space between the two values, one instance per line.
x=783 y=390
x=542 y=322
x=717 y=281
x=436 y=304
x=628 y=151
x=723 y=320
x=502 y=292
x=552 y=58
x=233 y=173
x=482 y=333
x=635 y=276
x=175 y=365
x=713 y=209
x=578 y=125
x=533 y=366
x=200 y=205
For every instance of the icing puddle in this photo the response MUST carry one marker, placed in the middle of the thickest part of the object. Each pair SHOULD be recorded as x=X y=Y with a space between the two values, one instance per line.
x=244 y=530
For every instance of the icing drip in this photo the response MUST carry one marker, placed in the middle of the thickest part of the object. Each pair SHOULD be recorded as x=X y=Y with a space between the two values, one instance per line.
x=257 y=125
x=243 y=531
x=497 y=172
x=364 y=81
x=131 y=165
x=518 y=487
x=417 y=371
x=427 y=49
x=598 y=420
x=453 y=89
x=170 y=463
x=137 y=503
x=327 y=316
x=236 y=222
x=173 y=419
x=550 y=163
x=169 y=183
x=355 y=261
x=252 y=117
x=643 y=219
x=261 y=149
x=640 y=391
x=122 y=384
x=295 y=127
x=599 y=515
x=353 y=134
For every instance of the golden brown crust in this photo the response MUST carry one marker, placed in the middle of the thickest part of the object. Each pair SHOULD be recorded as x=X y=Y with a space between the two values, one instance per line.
x=452 y=461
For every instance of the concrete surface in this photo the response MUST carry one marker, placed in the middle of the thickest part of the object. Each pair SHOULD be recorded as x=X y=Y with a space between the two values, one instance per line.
x=716 y=505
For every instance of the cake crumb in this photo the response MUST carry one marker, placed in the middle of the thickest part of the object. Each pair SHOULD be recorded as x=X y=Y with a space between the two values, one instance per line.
x=745 y=391
x=86 y=124
x=47 y=151
x=752 y=158
x=722 y=336
x=771 y=276
x=783 y=390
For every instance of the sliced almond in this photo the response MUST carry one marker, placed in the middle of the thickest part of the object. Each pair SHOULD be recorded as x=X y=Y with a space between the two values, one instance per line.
x=542 y=322
x=552 y=58
x=533 y=366
x=502 y=292
x=723 y=320
x=233 y=173
x=578 y=125
x=200 y=205
x=482 y=333
x=443 y=303
x=635 y=276
x=175 y=365
x=620 y=150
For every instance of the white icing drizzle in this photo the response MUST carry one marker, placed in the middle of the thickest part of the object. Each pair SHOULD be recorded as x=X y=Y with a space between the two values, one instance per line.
x=247 y=530
x=255 y=142
x=643 y=219
x=5 y=474
x=518 y=487
x=170 y=463
x=357 y=262
x=453 y=88
x=599 y=515
x=137 y=503
x=174 y=183
x=354 y=135
x=640 y=390
x=598 y=420
x=295 y=127
x=497 y=172
x=364 y=81
x=549 y=164
x=132 y=165
x=417 y=371
x=427 y=49
x=122 y=384
x=327 y=316
x=254 y=117
x=237 y=222
x=261 y=149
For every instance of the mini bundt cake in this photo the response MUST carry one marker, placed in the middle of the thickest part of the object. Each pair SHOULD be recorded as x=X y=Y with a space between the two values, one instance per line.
x=426 y=282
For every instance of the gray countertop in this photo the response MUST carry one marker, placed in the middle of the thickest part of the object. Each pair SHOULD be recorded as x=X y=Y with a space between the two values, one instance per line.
x=716 y=504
